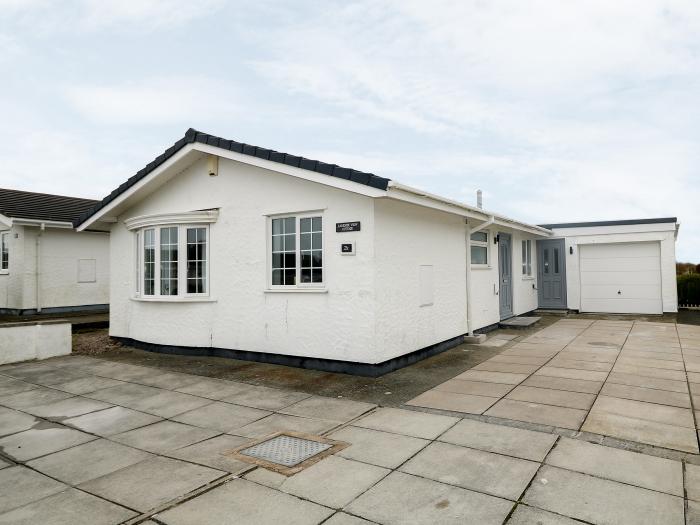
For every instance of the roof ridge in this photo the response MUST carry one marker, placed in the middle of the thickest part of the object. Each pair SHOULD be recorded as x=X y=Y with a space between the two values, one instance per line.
x=192 y=135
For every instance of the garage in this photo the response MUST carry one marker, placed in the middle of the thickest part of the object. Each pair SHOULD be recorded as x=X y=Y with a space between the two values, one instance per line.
x=621 y=278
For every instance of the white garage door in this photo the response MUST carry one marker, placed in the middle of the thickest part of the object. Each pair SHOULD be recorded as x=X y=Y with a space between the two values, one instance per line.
x=621 y=278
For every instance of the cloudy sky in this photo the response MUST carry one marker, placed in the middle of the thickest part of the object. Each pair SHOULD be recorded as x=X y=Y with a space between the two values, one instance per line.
x=558 y=111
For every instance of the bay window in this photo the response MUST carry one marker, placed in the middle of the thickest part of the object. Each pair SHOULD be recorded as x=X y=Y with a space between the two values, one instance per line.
x=172 y=261
x=296 y=251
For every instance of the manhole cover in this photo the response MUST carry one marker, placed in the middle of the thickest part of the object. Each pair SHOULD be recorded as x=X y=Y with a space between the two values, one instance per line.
x=286 y=450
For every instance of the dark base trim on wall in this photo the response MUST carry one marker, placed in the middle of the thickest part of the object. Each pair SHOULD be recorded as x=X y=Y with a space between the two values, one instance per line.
x=311 y=363
x=93 y=308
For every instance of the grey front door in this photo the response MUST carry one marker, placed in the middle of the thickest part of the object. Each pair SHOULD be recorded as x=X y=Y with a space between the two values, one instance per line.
x=551 y=273
x=505 y=274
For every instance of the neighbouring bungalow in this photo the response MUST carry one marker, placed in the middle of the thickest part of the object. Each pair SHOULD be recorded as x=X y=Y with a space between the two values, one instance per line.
x=222 y=248
x=46 y=266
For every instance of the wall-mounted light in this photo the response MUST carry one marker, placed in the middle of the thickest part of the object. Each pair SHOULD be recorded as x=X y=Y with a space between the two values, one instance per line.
x=496 y=239
x=571 y=250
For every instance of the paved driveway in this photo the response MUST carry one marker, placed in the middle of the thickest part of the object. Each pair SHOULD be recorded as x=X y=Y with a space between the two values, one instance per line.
x=89 y=441
x=634 y=381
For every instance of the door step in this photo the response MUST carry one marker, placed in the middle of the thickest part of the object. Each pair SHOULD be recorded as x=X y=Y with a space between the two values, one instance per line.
x=554 y=311
x=518 y=322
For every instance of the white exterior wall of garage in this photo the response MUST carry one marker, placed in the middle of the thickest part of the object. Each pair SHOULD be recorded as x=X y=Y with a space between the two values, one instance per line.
x=642 y=258
x=371 y=308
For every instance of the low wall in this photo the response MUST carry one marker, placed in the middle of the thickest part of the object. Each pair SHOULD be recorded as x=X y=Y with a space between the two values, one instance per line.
x=34 y=340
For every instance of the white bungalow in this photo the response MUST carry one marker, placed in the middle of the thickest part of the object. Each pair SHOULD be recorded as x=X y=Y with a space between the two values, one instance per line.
x=222 y=248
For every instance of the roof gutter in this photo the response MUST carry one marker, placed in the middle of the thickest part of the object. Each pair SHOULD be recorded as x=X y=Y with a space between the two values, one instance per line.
x=41 y=224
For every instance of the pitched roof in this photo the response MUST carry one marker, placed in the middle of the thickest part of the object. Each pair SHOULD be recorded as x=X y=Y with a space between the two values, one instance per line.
x=192 y=136
x=625 y=222
x=42 y=206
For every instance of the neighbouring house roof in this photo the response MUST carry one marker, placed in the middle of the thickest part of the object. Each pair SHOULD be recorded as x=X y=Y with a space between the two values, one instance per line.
x=42 y=206
x=192 y=136
x=610 y=223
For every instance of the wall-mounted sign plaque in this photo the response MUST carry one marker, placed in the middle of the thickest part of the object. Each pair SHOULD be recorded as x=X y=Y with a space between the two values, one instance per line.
x=347 y=226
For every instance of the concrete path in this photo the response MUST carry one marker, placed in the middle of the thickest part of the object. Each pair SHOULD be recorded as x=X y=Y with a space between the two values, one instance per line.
x=633 y=381
x=89 y=441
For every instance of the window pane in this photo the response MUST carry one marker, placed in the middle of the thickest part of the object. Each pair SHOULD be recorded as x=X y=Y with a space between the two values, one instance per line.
x=149 y=262
x=277 y=225
x=317 y=260
x=289 y=242
x=277 y=277
x=480 y=236
x=317 y=241
x=277 y=243
x=306 y=275
x=305 y=260
x=305 y=241
x=316 y=275
x=290 y=225
x=546 y=260
x=304 y=225
x=556 y=260
x=168 y=260
x=277 y=260
x=479 y=255
x=290 y=277
x=4 y=251
x=196 y=260
x=317 y=224
x=290 y=260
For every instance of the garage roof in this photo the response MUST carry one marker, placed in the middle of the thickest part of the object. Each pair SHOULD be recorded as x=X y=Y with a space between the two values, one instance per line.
x=42 y=206
x=609 y=223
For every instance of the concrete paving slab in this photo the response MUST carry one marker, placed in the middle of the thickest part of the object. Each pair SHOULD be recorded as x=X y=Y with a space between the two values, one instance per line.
x=333 y=481
x=681 y=417
x=341 y=518
x=13 y=421
x=4 y=464
x=692 y=481
x=43 y=438
x=123 y=394
x=650 y=472
x=511 y=441
x=224 y=417
x=20 y=486
x=33 y=397
x=151 y=483
x=401 y=498
x=538 y=413
x=89 y=461
x=164 y=436
x=66 y=408
x=560 y=383
x=216 y=389
x=167 y=404
x=678 y=357
x=598 y=500
x=341 y=410
x=492 y=377
x=46 y=376
x=692 y=514
x=494 y=474
x=652 y=363
x=586 y=355
x=572 y=373
x=453 y=402
x=214 y=453
x=167 y=380
x=84 y=385
x=645 y=371
x=519 y=359
x=407 y=422
x=476 y=388
x=265 y=398
x=497 y=366
x=377 y=448
x=233 y=501
x=282 y=423
x=647 y=382
x=642 y=431
x=525 y=515
x=71 y=507
x=548 y=396
x=9 y=386
x=111 y=421
x=650 y=395
x=596 y=366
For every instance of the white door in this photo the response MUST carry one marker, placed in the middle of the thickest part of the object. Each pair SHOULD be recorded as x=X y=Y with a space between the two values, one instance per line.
x=621 y=278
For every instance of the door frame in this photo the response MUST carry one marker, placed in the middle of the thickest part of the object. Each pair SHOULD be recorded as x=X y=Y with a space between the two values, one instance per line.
x=509 y=239
x=540 y=273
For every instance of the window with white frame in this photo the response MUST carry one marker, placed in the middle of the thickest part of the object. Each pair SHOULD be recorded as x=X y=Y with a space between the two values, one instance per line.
x=296 y=251
x=172 y=261
x=4 y=251
x=527 y=257
x=480 y=248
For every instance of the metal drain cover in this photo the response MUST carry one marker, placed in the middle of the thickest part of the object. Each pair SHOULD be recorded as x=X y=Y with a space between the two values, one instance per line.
x=286 y=450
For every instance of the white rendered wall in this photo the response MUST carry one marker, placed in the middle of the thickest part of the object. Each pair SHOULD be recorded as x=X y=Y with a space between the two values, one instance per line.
x=242 y=315
x=27 y=341
x=12 y=283
x=417 y=246
x=61 y=250
x=664 y=234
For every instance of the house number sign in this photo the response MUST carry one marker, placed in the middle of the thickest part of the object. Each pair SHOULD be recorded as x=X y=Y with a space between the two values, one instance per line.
x=347 y=226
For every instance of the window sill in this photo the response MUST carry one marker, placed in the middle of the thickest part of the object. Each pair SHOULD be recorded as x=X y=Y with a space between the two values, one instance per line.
x=174 y=299
x=296 y=290
x=481 y=266
x=528 y=278
x=4 y=272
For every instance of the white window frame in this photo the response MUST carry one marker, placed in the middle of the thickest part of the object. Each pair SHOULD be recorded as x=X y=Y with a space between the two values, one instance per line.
x=297 y=232
x=526 y=256
x=181 y=263
x=484 y=244
x=5 y=245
